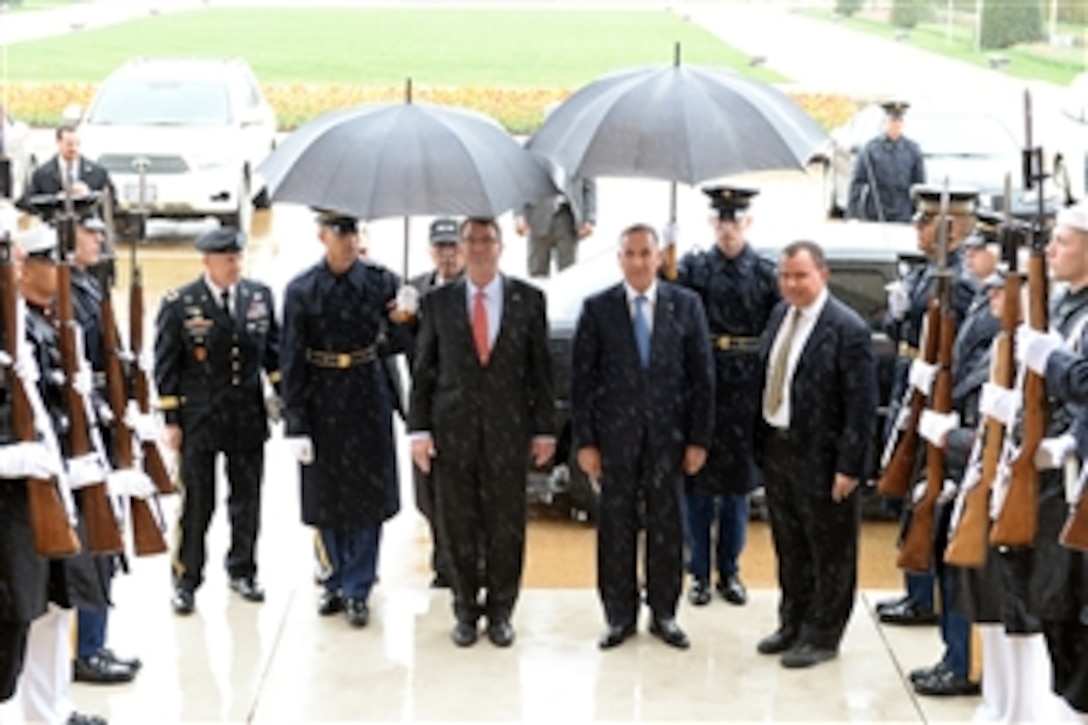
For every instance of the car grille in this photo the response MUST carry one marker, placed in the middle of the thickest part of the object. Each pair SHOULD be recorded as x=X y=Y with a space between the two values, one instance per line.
x=123 y=164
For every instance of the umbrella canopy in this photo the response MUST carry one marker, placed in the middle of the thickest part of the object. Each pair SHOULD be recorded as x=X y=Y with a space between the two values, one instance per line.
x=405 y=159
x=677 y=123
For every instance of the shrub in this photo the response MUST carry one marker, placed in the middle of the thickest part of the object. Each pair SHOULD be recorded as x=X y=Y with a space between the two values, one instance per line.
x=1005 y=24
x=908 y=13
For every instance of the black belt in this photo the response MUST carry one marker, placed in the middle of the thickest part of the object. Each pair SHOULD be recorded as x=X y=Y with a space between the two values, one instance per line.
x=735 y=342
x=341 y=360
x=780 y=434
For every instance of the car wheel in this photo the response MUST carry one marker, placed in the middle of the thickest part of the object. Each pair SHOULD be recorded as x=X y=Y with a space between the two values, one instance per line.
x=583 y=497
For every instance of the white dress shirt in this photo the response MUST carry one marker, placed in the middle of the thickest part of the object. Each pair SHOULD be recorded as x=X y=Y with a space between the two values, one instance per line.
x=492 y=303
x=781 y=418
x=217 y=295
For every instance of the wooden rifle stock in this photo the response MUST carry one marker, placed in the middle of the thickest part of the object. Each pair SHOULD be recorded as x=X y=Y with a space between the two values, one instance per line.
x=153 y=463
x=1074 y=533
x=54 y=536
x=895 y=481
x=103 y=532
x=147 y=536
x=1018 y=519
x=916 y=550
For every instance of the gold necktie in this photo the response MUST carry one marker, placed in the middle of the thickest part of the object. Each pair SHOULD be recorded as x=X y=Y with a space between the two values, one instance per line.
x=777 y=383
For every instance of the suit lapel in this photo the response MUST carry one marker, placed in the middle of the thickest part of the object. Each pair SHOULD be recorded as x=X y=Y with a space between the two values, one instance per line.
x=775 y=321
x=511 y=301
x=817 y=337
x=622 y=310
x=462 y=315
x=664 y=310
x=241 y=304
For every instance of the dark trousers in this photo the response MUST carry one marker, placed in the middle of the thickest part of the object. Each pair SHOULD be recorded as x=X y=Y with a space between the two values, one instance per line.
x=816 y=543
x=955 y=627
x=244 y=471
x=1067 y=643
x=920 y=588
x=353 y=560
x=641 y=493
x=426 y=502
x=12 y=654
x=730 y=512
x=481 y=525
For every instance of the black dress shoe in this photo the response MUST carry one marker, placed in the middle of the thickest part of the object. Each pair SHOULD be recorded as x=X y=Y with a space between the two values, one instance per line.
x=615 y=635
x=500 y=633
x=944 y=683
x=884 y=604
x=908 y=614
x=357 y=612
x=732 y=589
x=699 y=594
x=132 y=663
x=669 y=632
x=464 y=633
x=778 y=641
x=98 y=670
x=80 y=719
x=922 y=673
x=182 y=601
x=807 y=655
x=248 y=587
x=330 y=603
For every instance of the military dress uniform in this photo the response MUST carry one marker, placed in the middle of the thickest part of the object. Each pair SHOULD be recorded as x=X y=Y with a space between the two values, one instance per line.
x=336 y=394
x=738 y=295
x=208 y=362
x=884 y=172
x=921 y=284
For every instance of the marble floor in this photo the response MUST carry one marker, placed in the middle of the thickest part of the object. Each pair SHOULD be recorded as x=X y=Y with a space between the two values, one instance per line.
x=233 y=661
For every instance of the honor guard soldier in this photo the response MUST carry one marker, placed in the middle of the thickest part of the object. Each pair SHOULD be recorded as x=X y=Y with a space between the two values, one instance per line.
x=213 y=338
x=907 y=301
x=885 y=170
x=738 y=289
x=339 y=408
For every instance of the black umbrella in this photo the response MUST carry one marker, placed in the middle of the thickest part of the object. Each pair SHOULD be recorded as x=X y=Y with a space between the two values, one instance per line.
x=405 y=159
x=677 y=123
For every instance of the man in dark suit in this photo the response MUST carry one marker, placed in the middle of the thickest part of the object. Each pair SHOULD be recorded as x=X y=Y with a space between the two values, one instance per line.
x=642 y=400
x=819 y=409
x=481 y=401
x=559 y=224
x=67 y=170
x=213 y=337
x=449 y=264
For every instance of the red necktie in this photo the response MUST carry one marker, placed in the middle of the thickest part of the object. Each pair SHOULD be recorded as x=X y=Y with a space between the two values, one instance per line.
x=479 y=328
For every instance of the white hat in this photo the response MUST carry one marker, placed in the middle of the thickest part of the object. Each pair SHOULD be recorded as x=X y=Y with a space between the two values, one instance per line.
x=41 y=239
x=1075 y=217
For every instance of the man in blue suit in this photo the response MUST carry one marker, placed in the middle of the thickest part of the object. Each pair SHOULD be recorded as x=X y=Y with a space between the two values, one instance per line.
x=642 y=395
x=819 y=412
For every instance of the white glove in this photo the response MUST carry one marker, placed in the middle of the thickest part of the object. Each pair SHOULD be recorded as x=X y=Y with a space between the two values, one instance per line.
x=1052 y=452
x=1000 y=403
x=301 y=447
x=86 y=470
x=898 y=299
x=934 y=427
x=83 y=381
x=408 y=300
x=104 y=413
x=948 y=491
x=129 y=482
x=920 y=376
x=28 y=460
x=144 y=425
x=670 y=234
x=145 y=360
x=273 y=406
x=1033 y=348
x=918 y=492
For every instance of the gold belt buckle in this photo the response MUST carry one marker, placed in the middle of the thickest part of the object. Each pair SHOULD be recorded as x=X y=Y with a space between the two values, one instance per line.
x=343 y=360
x=905 y=350
x=724 y=342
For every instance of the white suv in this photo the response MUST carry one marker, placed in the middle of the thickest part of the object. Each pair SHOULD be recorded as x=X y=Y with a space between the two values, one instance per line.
x=201 y=124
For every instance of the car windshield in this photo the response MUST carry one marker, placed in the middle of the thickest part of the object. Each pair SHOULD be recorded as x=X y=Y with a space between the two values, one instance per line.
x=960 y=136
x=162 y=103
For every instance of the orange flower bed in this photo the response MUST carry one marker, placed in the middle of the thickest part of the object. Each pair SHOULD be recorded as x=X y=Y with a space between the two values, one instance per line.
x=520 y=110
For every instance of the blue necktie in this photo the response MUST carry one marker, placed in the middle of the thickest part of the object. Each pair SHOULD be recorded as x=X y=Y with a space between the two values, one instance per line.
x=642 y=330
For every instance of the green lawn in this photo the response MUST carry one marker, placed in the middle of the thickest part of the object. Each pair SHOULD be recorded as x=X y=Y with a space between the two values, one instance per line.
x=1036 y=63
x=498 y=47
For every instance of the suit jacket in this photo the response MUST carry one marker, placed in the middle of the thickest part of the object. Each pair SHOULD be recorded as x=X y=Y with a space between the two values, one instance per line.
x=46 y=179
x=467 y=407
x=208 y=365
x=833 y=394
x=581 y=195
x=616 y=403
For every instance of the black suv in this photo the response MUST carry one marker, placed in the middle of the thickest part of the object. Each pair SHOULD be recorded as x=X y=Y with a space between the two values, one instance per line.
x=863 y=257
